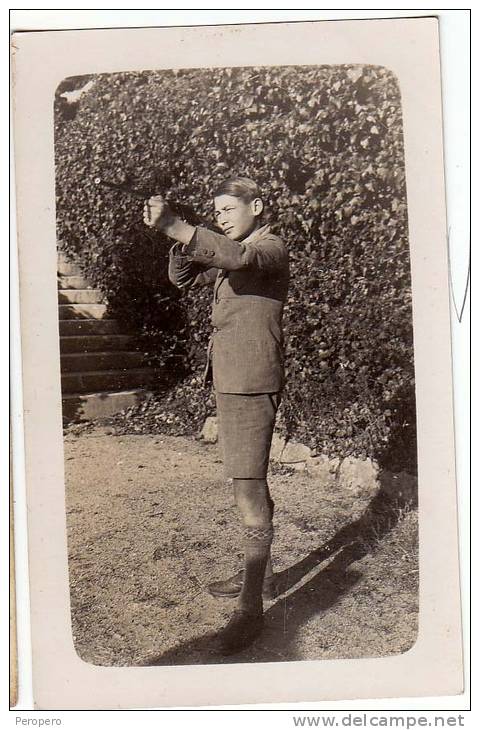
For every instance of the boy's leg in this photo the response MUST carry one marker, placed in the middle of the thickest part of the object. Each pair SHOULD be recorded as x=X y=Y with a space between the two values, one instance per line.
x=231 y=587
x=254 y=504
x=271 y=505
x=256 y=509
x=246 y=423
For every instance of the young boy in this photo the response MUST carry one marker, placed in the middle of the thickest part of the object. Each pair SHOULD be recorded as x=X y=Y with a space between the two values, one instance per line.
x=248 y=265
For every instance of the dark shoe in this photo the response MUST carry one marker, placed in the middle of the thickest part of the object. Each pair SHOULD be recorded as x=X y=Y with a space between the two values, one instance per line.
x=241 y=631
x=231 y=587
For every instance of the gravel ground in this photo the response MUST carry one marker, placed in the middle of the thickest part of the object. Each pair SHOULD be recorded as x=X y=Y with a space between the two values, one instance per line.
x=151 y=521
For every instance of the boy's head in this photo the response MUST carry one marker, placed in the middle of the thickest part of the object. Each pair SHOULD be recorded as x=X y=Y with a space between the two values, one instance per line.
x=238 y=207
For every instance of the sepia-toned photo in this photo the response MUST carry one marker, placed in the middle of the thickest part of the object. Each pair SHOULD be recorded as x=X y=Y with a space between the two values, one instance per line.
x=280 y=194
x=246 y=434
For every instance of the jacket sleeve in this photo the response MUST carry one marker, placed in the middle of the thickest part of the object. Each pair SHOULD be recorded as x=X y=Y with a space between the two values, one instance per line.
x=185 y=273
x=267 y=254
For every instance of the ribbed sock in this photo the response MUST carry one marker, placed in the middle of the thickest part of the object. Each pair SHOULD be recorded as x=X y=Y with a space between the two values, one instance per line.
x=257 y=541
x=268 y=567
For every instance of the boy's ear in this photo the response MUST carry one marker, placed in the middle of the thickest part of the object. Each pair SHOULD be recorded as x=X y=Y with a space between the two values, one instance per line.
x=257 y=206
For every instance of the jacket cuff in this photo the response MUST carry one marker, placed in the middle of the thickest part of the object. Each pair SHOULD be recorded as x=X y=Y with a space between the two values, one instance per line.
x=197 y=249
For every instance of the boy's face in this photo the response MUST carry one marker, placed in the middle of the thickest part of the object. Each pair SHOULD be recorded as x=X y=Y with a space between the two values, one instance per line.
x=235 y=218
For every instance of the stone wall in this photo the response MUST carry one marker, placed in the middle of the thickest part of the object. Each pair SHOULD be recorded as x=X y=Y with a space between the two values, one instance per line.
x=362 y=477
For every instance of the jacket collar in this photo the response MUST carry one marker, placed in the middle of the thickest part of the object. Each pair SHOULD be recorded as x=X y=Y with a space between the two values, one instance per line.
x=258 y=233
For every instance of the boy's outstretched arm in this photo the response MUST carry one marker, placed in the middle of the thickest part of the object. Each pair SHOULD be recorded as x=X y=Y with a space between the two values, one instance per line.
x=214 y=249
x=184 y=273
x=268 y=254
x=157 y=214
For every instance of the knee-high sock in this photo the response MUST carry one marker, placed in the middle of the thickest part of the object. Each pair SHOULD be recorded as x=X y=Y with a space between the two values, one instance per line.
x=268 y=567
x=257 y=541
x=271 y=505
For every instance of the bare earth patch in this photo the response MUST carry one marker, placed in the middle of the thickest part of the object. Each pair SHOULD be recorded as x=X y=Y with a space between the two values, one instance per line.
x=151 y=521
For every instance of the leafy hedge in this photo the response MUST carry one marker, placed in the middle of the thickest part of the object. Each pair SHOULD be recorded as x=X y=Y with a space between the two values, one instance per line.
x=325 y=144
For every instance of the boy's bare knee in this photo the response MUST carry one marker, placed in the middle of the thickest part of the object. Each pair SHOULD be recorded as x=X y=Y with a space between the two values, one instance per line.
x=250 y=491
x=253 y=502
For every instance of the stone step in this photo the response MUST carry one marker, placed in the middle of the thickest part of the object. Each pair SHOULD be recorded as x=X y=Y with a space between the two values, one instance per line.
x=82 y=311
x=95 y=343
x=82 y=362
x=72 y=282
x=66 y=266
x=62 y=256
x=68 y=269
x=88 y=406
x=106 y=380
x=80 y=296
x=70 y=327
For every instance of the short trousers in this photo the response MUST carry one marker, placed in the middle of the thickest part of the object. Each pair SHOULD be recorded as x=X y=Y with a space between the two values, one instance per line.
x=245 y=429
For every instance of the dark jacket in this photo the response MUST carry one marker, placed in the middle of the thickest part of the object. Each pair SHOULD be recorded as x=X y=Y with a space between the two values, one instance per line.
x=250 y=287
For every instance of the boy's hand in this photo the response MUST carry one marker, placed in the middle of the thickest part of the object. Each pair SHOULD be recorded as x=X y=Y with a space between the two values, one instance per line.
x=156 y=212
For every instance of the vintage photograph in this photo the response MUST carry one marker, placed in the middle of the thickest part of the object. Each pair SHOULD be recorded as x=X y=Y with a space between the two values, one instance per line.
x=237 y=364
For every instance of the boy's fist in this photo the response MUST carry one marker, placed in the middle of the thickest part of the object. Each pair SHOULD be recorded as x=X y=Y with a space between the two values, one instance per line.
x=156 y=212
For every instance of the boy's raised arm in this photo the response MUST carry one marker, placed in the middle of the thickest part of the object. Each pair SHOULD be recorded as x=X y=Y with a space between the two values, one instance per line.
x=157 y=214
x=211 y=249
x=184 y=273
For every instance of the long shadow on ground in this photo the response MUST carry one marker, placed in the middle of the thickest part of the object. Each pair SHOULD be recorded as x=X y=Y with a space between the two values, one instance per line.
x=325 y=587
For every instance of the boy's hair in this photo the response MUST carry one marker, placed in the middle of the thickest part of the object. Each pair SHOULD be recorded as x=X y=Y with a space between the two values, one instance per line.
x=239 y=187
